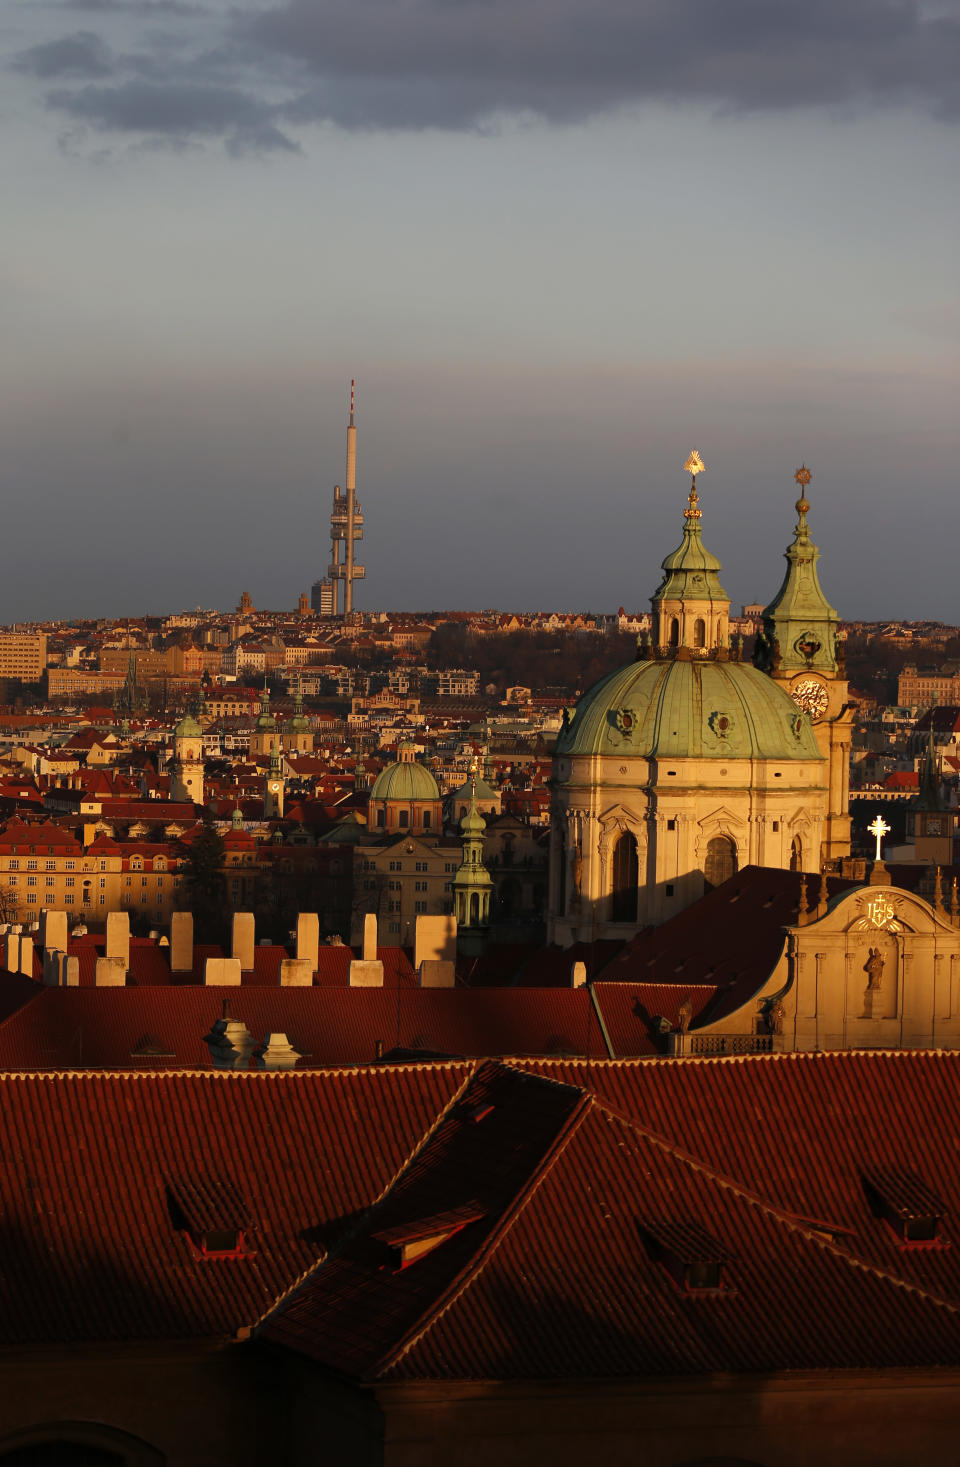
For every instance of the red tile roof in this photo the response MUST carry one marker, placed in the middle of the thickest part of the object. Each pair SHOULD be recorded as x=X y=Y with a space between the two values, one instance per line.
x=574 y=1263
x=61 y=1028
x=92 y=1163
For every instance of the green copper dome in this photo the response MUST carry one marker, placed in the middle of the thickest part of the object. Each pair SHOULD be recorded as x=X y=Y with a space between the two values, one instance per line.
x=689 y=708
x=405 y=781
x=188 y=728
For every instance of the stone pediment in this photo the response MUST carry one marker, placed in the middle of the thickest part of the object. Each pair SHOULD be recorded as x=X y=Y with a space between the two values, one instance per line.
x=880 y=909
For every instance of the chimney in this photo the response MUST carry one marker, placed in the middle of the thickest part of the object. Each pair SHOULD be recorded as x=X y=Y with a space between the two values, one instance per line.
x=110 y=972
x=369 y=950
x=53 y=931
x=578 y=975
x=276 y=1053
x=435 y=940
x=118 y=937
x=436 y=973
x=296 y=973
x=308 y=939
x=243 y=940
x=223 y=972
x=181 y=942
x=230 y=1044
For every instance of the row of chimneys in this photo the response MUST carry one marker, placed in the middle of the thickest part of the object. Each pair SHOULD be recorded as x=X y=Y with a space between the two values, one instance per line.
x=435 y=944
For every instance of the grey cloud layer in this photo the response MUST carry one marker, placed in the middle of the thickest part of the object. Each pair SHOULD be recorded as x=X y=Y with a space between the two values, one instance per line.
x=456 y=60
x=457 y=63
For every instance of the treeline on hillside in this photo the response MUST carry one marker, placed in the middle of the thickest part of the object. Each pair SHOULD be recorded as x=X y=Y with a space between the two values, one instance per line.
x=531 y=659
x=874 y=664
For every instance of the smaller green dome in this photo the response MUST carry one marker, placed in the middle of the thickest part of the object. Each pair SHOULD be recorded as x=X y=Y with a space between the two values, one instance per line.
x=188 y=728
x=405 y=781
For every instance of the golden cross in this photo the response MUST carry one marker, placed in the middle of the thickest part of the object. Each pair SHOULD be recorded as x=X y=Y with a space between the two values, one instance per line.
x=879 y=828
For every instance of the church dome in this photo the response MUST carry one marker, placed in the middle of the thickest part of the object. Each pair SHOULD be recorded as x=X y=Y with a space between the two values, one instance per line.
x=187 y=728
x=689 y=708
x=406 y=781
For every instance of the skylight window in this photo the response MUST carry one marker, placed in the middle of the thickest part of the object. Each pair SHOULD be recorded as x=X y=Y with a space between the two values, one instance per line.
x=409 y=1242
x=694 y=1259
x=213 y=1216
x=907 y=1205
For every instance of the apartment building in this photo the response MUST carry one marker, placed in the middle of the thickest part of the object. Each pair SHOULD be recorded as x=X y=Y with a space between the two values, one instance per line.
x=23 y=656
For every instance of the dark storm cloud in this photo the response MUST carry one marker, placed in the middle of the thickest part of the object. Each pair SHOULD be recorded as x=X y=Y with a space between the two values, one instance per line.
x=460 y=64
x=82 y=54
x=180 y=108
x=452 y=62
x=134 y=7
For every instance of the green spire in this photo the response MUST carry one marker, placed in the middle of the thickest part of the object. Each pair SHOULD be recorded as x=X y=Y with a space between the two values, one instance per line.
x=799 y=626
x=236 y=819
x=473 y=884
x=691 y=572
x=274 y=760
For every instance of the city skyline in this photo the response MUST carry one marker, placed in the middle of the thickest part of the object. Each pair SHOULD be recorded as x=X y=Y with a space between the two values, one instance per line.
x=552 y=271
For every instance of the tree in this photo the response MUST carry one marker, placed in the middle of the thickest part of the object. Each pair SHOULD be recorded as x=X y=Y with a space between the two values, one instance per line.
x=206 y=887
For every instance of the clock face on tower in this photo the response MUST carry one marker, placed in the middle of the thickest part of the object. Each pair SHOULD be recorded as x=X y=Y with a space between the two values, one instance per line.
x=275 y=786
x=811 y=696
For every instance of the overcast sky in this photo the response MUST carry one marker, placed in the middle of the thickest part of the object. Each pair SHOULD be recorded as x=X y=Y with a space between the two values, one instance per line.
x=559 y=243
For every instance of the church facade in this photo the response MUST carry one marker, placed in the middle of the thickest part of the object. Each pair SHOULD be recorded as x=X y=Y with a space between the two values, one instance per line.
x=677 y=770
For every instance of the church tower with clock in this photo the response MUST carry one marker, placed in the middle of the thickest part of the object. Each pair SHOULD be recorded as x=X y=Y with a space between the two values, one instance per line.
x=799 y=647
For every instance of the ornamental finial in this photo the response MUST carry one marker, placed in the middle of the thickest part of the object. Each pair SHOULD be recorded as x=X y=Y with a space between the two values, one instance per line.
x=694 y=466
x=803 y=477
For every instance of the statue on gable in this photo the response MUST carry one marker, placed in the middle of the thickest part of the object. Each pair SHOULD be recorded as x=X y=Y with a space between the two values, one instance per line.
x=873 y=968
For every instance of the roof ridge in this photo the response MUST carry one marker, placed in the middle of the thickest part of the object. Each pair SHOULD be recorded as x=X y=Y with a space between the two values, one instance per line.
x=810 y=1228
x=328 y=1253
x=470 y=1271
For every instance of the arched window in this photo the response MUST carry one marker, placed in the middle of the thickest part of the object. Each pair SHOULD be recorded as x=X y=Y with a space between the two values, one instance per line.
x=426 y=819
x=474 y=908
x=626 y=875
x=721 y=862
x=796 y=855
x=404 y=817
x=699 y=632
x=675 y=633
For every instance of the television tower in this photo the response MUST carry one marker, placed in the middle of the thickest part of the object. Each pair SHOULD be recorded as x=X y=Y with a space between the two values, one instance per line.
x=346 y=525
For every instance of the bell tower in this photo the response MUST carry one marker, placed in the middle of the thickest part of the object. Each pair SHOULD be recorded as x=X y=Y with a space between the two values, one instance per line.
x=799 y=645
x=186 y=775
x=473 y=884
x=273 y=788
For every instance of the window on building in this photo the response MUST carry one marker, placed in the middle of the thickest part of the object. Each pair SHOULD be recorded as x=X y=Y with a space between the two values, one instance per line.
x=403 y=818
x=626 y=876
x=51 y=881
x=721 y=860
x=426 y=819
x=103 y=881
x=796 y=854
x=31 y=881
x=699 y=632
x=12 y=880
x=31 y=896
x=674 y=633
x=49 y=865
x=69 y=865
x=69 y=881
x=31 y=865
x=419 y=906
x=14 y=865
x=143 y=881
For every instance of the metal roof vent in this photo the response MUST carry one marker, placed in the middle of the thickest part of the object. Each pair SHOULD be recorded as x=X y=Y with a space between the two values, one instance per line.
x=908 y=1206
